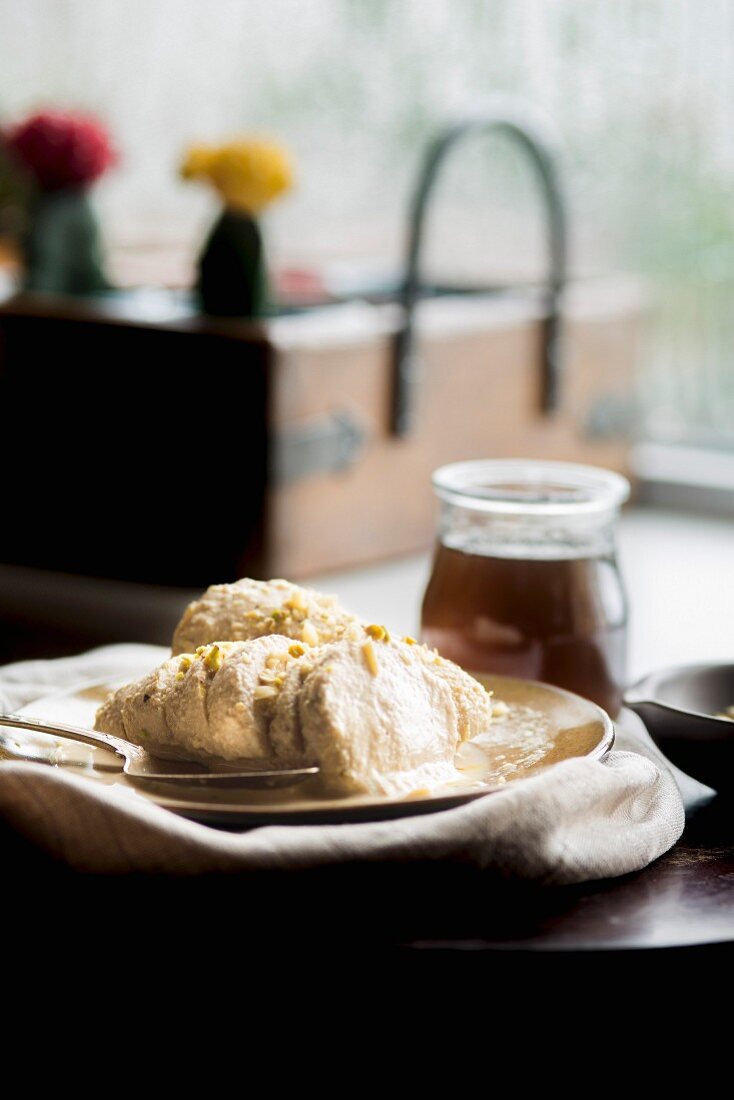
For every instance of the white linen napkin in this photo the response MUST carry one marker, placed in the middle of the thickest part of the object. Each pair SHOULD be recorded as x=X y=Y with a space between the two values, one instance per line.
x=577 y=820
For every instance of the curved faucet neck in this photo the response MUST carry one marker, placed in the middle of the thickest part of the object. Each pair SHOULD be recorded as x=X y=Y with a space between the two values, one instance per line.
x=543 y=160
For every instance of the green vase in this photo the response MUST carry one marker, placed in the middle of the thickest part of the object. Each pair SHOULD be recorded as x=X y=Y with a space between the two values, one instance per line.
x=231 y=276
x=62 y=247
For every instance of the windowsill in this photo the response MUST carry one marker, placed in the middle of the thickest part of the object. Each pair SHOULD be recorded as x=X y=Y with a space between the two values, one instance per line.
x=686 y=478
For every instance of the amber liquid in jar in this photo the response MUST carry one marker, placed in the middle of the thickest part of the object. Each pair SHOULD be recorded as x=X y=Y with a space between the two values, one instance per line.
x=559 y=620
x=525 y=580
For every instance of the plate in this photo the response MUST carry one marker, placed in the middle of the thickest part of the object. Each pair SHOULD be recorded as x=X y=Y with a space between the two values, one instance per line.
x=543 y=725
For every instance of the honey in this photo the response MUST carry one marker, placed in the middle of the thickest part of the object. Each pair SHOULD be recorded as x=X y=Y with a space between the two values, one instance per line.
x=525 y=580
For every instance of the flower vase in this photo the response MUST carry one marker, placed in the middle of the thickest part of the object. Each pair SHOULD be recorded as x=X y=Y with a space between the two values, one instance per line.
x=62 y=246
x=231 y=273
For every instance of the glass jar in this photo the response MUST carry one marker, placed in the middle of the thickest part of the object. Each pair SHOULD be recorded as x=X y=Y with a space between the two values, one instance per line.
x=525 y=579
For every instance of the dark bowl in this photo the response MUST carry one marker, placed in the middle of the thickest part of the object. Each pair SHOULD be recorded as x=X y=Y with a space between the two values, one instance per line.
x=678 y=706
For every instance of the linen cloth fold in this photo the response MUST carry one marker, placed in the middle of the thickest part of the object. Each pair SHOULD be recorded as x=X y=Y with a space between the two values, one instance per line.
x=575 y=821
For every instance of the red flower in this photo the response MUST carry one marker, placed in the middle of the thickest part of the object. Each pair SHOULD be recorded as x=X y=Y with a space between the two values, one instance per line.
x=61 y=150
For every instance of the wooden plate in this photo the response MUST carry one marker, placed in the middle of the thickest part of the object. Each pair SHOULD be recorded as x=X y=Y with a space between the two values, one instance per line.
x=544 y=726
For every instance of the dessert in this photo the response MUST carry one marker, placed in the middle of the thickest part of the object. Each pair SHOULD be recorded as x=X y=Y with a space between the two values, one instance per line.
x=251 y=609
x=383 y=717
x=378 y=715
x=214 y=703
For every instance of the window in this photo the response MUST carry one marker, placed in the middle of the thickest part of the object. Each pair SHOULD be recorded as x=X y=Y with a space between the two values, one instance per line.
x=641 y=93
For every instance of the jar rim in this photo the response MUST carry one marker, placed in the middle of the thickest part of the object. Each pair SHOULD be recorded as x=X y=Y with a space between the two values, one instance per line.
x=531 y=487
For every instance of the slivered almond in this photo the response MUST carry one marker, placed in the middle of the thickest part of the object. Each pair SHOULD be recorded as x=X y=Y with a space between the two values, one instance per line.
x=370 y=659
x=308 y=634
x=264 y=692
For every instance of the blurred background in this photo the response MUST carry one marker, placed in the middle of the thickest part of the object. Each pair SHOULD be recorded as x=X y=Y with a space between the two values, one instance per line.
x=639 y=92
x=637 y=96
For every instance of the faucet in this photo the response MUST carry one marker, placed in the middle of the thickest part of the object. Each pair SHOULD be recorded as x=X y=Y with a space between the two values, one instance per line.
x=543 y=159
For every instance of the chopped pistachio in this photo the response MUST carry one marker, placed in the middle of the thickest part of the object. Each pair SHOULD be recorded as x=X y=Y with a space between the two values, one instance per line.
x=376 y=632
x=277 y=616
x=370 y=659
x=179 y=675
x=185 y=664
x=409 y=641
x=296 y=650
x=214 y=658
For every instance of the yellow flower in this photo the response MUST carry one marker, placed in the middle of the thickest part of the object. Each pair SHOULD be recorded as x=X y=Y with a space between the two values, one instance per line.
x=247 y=173
x=197 y=162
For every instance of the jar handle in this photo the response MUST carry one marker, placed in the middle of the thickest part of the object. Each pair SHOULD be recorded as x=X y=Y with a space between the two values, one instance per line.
x=544 y=161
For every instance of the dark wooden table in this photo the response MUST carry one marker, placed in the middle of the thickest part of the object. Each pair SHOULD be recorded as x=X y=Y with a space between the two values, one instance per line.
x=681 y=905
x=684 y=900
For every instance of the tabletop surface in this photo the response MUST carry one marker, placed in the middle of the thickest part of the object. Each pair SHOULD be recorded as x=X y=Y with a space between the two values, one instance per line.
x=680 y=575
x=679 y=571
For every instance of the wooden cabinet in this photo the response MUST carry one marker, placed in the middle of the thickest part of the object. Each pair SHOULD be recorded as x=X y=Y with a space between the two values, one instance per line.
x=151 y=445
